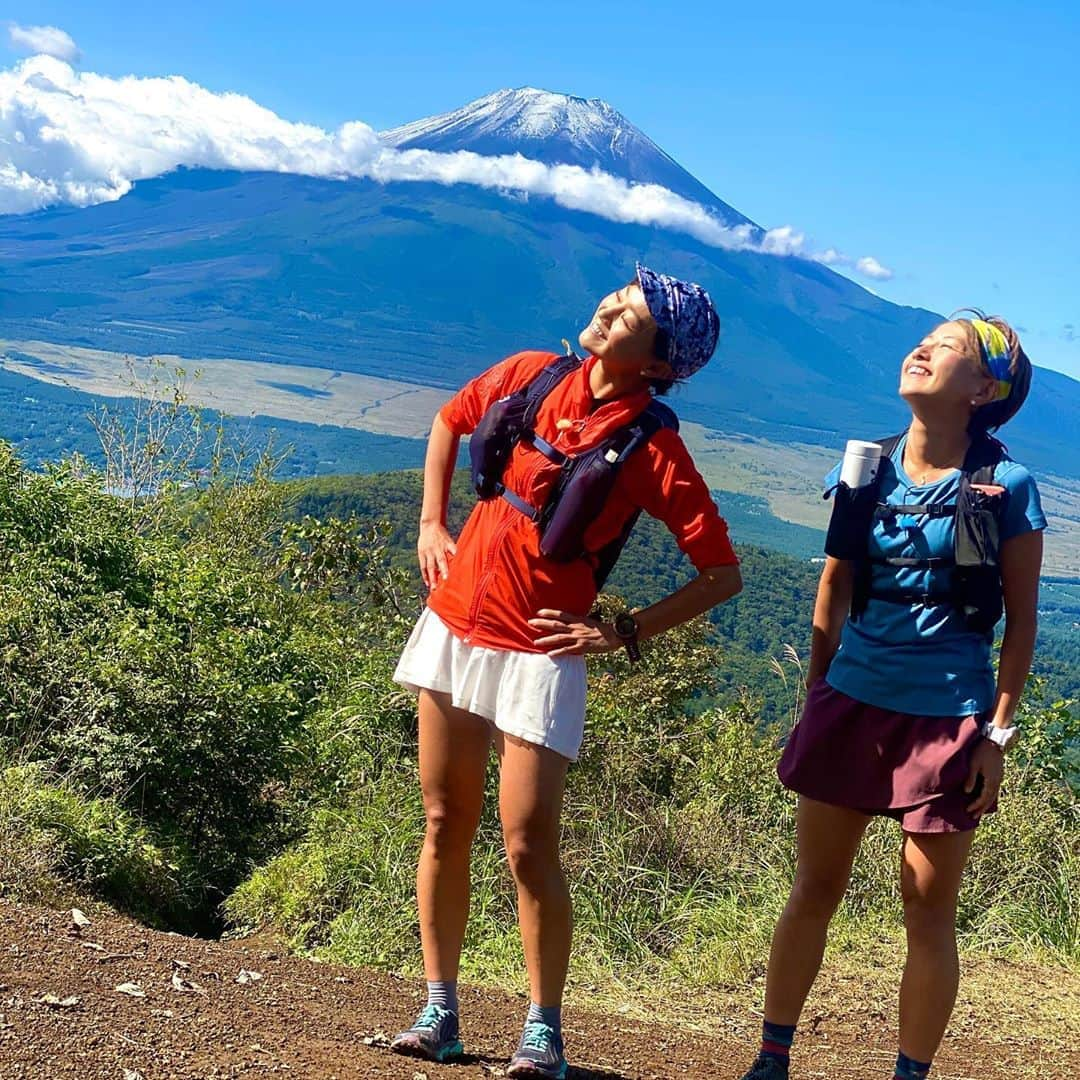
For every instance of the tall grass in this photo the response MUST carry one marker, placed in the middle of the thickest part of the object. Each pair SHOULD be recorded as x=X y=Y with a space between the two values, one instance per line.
x=678 y=845
x=56 y=841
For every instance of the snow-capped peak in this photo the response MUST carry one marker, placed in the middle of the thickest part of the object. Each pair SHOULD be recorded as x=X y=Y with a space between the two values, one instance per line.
x=525 y=113
x=557 y=129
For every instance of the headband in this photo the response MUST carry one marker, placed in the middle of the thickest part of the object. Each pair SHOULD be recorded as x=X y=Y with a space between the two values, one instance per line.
x=995 y=354
x=686 y=317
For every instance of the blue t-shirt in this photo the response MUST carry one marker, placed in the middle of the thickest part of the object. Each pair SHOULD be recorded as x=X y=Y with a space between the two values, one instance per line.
x=913 y=658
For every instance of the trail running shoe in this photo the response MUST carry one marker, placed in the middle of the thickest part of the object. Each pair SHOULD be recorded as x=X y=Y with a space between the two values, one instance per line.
x=539 y=1054
x=767 y=1068
x=434 y=1036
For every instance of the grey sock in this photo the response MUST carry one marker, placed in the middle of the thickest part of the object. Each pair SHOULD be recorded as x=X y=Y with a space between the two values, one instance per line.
x=546 y=1014
x=443 y=992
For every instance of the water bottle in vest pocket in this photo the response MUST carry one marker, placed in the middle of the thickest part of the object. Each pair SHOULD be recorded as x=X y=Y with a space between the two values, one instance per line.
x=851 y=519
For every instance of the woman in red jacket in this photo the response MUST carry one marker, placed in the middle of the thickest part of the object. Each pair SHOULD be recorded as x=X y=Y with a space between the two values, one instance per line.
x=498 y=655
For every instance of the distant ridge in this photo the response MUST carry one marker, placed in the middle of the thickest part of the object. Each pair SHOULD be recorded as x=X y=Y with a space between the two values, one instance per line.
x=558 y=129
x=430 y=282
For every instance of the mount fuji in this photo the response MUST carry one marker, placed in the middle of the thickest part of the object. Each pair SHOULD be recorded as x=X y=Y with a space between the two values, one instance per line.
x=559 y=129
x=429 y=283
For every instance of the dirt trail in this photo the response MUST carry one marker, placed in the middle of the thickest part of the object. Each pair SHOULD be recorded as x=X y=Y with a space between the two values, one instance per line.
x=200 y=1017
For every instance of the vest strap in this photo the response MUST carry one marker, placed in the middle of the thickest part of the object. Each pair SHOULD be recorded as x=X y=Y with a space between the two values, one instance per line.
x=931 y=510
x=914 y=562
x=545 y=448
x=518 y=503
x=926 y=599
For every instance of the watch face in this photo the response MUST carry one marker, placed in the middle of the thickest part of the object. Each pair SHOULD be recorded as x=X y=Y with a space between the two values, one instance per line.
x=625 y=624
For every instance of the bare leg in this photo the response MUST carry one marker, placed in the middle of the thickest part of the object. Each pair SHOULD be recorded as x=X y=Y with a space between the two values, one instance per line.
x=933 y=864
x=828 y=837
x=454 y=747
x=531 y=784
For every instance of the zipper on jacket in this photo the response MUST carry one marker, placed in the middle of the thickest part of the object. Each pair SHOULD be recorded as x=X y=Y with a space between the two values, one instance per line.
x=484 y=583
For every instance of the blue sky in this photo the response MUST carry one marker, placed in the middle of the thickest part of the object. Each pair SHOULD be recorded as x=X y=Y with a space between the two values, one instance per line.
x=940 y=138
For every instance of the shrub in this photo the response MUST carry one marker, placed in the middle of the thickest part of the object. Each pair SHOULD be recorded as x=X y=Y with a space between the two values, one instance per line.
x=165 y=661
x=54 y=837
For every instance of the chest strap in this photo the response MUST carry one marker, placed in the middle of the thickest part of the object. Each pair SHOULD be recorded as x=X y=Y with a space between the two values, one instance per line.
x=934 y=598
x=913 y=562
x=518 y=503
x=930 y=510
x=557 y=457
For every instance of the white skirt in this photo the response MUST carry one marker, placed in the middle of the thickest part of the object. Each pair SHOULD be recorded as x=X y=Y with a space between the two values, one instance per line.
x=531 y=696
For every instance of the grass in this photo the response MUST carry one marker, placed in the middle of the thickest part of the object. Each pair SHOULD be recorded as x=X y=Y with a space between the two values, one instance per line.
x=677 y=875
x=56 y=842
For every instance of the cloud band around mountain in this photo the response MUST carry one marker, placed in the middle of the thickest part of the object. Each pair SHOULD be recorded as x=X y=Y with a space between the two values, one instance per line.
x=78 y=138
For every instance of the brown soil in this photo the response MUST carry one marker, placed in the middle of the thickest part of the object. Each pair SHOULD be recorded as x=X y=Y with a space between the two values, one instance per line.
x=304 y=1019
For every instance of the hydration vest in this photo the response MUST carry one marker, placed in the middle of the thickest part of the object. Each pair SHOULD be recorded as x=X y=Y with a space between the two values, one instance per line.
x=974 y=581
x=585 y=480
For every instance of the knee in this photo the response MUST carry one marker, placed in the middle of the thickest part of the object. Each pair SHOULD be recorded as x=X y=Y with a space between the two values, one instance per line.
x=929 y=919
x=450 y=828
x=533 y=857
x=817 y=896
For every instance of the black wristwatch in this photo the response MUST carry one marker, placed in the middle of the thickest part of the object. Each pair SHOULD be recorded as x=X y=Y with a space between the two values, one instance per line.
x=626 y=626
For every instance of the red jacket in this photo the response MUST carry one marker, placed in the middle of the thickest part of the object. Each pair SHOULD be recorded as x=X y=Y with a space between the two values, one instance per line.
x=498 y=579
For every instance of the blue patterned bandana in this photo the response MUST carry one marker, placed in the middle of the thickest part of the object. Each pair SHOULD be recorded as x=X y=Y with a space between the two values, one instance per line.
x=685 y=316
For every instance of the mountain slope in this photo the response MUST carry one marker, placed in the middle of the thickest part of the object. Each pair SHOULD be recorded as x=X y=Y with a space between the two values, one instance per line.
x=430 y=283
x=558 y=129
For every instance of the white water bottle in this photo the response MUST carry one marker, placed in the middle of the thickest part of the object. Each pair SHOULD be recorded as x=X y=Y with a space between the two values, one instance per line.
x=861 y=460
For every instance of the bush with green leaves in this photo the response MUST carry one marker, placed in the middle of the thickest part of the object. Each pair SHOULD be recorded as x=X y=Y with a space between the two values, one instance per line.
x=56 y=840
x=170 y=660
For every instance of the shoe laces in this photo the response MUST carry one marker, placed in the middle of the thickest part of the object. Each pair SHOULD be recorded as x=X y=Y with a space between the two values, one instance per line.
x=537 y=1036
x=431 y=1016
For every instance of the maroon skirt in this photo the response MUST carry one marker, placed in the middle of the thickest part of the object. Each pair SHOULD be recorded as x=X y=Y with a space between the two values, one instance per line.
x=911 y=768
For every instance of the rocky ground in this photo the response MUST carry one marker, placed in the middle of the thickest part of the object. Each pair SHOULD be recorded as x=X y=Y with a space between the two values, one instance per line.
x=112 y=999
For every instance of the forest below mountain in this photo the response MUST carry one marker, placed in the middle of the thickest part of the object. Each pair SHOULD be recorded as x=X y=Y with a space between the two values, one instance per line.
x=764 y=631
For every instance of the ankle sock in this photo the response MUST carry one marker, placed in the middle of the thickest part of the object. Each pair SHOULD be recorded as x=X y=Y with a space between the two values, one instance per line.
x=910 y=1069
x=443 y=992
x=776 y=1040
x=546 y=1014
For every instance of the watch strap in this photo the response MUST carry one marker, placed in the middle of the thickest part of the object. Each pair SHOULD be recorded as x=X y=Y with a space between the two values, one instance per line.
x=626 y=626
x=1001 y=737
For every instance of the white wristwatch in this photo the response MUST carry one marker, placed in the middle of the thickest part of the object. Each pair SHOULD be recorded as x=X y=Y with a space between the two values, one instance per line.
x=1001 y=737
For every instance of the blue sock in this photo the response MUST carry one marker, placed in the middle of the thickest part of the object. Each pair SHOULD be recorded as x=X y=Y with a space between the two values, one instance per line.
x=546 y=1014
x=910 y=1069
x=776 y=1040
x=443 y=992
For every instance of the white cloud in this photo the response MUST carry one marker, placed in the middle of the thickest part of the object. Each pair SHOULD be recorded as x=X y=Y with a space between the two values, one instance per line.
x=832 y=257
x=43 y=40
x=867 y=266
x=80 y=138
x=871 y=268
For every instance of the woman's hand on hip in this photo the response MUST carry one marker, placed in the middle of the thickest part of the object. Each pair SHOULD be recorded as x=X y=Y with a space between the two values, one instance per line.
x=434 y=549
x=988 y=762
x=565 y=634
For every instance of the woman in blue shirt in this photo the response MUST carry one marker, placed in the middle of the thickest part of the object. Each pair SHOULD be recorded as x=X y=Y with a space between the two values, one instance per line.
x=903 y=716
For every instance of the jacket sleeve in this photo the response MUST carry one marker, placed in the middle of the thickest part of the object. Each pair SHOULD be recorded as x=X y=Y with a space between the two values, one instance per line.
x=665 y=483
x=465 y=409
